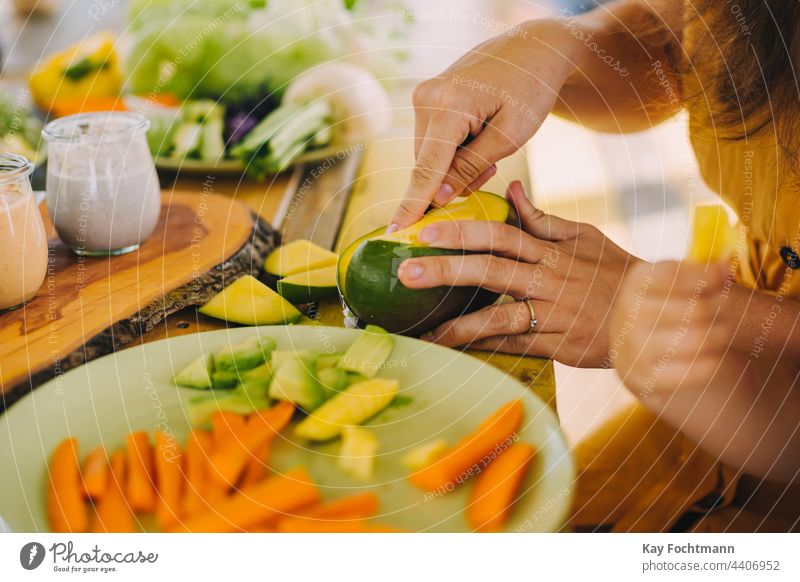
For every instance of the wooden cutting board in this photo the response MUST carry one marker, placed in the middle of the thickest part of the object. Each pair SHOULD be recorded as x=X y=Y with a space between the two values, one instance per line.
x=88 y=307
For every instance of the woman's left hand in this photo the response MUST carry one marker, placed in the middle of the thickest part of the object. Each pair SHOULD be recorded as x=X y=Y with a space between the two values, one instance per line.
x=569 y=273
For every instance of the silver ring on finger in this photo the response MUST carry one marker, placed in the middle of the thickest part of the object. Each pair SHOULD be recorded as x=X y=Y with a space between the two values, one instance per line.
x=534 y=321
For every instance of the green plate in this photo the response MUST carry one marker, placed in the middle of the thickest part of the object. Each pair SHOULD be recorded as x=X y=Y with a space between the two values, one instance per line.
x=446 y=395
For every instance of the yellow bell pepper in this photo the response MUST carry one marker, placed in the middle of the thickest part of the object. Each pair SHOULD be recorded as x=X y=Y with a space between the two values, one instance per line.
x=87 y=69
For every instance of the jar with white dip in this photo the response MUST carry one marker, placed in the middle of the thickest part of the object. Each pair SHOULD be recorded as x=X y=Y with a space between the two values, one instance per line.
x=102 y=188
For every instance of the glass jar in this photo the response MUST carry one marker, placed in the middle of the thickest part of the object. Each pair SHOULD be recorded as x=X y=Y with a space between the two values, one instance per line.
x=102 y=188
x=23 y=241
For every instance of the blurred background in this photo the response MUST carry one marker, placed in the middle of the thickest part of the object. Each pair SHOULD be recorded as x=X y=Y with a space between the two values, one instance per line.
x=637 y=188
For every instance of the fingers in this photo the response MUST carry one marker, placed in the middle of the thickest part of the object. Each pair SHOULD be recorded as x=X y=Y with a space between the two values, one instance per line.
x=444 y=132
x=536 y=222
x=543 y=345
x=487 y=271
x=485 y=176
x=478 y=235
x=420 y=127
x=496 y=320
x=493 y=143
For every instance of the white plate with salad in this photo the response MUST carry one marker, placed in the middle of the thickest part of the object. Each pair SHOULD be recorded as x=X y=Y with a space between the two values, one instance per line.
x=378 y=417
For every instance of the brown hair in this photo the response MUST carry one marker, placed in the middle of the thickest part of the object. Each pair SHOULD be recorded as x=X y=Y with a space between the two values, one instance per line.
x=749 y=54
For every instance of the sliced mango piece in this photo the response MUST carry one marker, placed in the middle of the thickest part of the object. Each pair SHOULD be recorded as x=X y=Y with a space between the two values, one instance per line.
x=298 y=256
x=310 y=285
x=714 y=238
x=424 y=454
x=357 y=455
x=353 y=406
x=250 y=302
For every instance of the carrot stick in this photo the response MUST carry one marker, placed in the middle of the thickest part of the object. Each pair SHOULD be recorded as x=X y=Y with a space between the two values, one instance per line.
x=227 y=463
x=112 y=512
x=195 y=471
x=362 y=505
x=140 y=491
x=496 y=488
x=304 y=525
x=225 y=425
x=169 y=476
x=256 y=505
x=464 y=459
x=374 y=527
x=256 y=468
x=96 y=473
x=66 y=510
x=347 y=514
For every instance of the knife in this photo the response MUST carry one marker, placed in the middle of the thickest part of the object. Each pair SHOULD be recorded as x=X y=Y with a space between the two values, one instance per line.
x=316 y=198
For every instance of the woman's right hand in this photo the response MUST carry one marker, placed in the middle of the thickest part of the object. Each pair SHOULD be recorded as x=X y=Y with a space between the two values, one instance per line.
x=498 y=94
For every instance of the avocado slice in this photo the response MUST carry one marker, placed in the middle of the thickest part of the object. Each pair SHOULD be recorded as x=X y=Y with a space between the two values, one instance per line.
x=333 y=380
x=224 y=379
x=248 y=354
x=295 y=381
x=248 y=301
x=309 y=286
x=328 y=360
x=260 y=376
x=197 y=374
x=369 y=352
x=200 y=409
x=298 y=256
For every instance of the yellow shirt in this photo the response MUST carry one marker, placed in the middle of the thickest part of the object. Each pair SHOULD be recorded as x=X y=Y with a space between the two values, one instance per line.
x=749 y=175
x=635 y=472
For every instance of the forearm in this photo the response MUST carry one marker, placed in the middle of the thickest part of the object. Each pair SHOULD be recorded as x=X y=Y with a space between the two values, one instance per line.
x=748 y=415
x=625 y=76
x=767 y=326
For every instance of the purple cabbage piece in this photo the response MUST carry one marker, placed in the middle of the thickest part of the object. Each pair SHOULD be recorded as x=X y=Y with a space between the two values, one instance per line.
x=239 y=125
x=242 y=114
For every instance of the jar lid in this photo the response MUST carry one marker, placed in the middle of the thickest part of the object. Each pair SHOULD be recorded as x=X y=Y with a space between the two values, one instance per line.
x=13 y=167
x=101 y=126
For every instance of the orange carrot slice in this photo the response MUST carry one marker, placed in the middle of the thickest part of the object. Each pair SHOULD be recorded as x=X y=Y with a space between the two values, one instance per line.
x=361 y=505
x=304 y=525
x=496 y=488
x=169 y=477
x=96 y=473
x=256 y=505
x=374 y=527
x=66 y=510
x=140 y=491
x=256 y=468
x=198 y=444
x=225 y=425
x=112 y=512
x=465 y=458
x=228 y=463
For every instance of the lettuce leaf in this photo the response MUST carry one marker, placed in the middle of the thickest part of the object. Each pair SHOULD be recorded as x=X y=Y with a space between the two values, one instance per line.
x=222 y=50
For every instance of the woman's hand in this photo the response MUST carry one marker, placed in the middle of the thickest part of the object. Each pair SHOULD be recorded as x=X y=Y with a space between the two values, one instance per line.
x=497 y=97
x=668 y=330
x=672 y=344
x=569 y=273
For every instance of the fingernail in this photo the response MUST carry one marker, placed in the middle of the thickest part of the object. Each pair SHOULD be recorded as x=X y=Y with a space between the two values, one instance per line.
x=409 y=270
x=393 y=227
x=427 y=336
x=429 y=234
x=444 y=194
